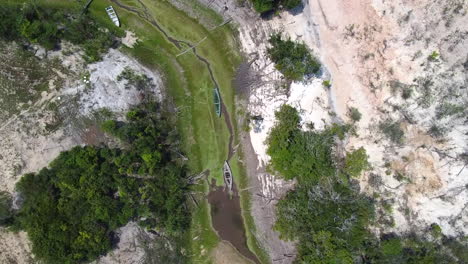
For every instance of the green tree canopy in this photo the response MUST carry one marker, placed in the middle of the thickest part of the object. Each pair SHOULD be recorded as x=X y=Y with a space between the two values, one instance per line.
x=263 y=6
x=296 y=153
x=47 y=26
x=293 y=59
x=356 y=162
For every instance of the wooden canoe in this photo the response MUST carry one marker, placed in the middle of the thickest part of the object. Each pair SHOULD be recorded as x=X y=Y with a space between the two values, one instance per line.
x=227 y=173
x=113 y=16
x=217 y=101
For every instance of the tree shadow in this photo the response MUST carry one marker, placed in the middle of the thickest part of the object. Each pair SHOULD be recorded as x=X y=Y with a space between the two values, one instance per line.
x=297 y=10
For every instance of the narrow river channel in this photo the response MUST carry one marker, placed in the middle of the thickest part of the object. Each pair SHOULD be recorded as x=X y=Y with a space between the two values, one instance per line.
x=226 y=211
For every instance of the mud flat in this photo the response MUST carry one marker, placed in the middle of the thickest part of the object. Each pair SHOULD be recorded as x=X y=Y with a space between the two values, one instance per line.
x=227 y=218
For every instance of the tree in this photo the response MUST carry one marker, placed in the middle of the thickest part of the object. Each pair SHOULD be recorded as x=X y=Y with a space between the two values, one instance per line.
x=296 y=153
x=356 y=162
x=263 y=6
x=5 y=208
x=292 y=59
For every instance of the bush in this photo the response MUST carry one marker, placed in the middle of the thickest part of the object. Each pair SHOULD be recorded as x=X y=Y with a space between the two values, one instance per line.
x=263 y=6
x=354 y=114
x=292 y=59
x=296 y=153
x=392 y=130
x=5 y=208
x=326 y=83
x=356 y=162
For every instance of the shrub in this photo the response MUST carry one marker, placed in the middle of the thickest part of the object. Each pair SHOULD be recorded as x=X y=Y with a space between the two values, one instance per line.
x=326 y=83
x=263 y=6
x=291 y=58
x=354 y=114
x=434 y=56
x=5 y=208
x=406 y=92
x=356 y=162
x=392 y=130
x=392 y=247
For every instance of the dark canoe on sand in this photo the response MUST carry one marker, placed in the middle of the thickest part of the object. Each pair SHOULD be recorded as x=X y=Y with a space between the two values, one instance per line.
x=217 y=101
x=227 y=175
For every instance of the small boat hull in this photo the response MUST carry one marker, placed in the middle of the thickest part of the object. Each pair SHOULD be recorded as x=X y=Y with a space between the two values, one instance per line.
x=113 y=15
x=217 y=101
x=227 y=173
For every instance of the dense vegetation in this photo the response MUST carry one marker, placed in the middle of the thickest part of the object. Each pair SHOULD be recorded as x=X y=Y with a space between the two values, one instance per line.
x=47 y=26
x=327 y=214
x=263 y=6
x=5 y=208
x=293 y=59
x=294 y=153
x=71 y=208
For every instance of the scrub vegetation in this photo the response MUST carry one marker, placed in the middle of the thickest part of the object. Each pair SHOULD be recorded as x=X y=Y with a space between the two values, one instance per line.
x=292 y=59
x=327 y=214
x=262 y=6
x=71 y=209
x=47 y=26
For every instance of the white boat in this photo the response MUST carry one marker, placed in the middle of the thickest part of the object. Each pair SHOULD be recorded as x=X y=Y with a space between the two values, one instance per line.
x=113 y=16
x=227 y=175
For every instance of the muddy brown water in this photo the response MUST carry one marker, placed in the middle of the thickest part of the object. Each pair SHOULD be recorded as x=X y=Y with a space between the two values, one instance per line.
x=227 y=218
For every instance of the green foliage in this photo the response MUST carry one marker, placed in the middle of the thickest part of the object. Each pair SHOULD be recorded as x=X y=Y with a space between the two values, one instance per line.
x=354 y=114
x=391 y=247
x=436 y=230
x=356 y=162
x=72 y=208
x=291 y=58
x=434 y=56
x=295 y=153
x=392 y=130
x=330 y=207
x=46 y=26
x=263 y=6
x=5 y=208
x=326 y=83
x=449 y=109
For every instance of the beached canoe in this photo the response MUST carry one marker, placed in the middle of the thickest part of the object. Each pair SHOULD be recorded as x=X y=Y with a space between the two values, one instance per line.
x=217 y=101
x=113 y=16
x=227 y=175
